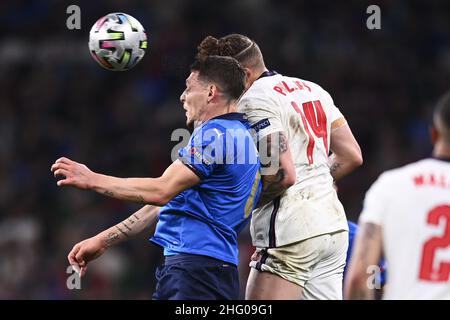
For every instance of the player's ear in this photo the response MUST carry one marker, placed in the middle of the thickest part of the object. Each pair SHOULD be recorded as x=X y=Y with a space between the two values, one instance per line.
x=248 y=73
x=434 y=134
x=248 y=76
x=212 y=92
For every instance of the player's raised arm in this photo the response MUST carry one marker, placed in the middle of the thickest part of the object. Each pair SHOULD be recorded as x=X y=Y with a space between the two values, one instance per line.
x=143 y=220
x=155 y=191
x=284 y=174
x=346 y=154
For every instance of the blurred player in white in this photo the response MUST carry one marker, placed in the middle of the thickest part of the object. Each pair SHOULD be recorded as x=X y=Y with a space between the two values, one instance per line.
x=301 y=232
x=406 y=216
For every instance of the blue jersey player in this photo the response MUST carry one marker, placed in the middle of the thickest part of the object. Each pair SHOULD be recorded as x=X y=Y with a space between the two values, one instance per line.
x=352 y=231
x=206 y=196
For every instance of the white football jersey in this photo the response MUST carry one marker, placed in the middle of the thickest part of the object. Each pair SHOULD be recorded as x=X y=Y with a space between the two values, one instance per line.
x=304 y=112
x=412 y=206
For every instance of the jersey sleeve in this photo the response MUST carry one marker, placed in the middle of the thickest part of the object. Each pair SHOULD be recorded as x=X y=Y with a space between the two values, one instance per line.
x=205 y=151
x=375 y=201
x=263 y=116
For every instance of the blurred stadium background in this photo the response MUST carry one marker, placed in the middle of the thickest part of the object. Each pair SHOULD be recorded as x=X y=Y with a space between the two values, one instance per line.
x=55 y=100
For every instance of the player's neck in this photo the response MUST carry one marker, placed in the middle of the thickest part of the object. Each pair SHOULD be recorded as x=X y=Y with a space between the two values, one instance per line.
x=441 y=150
x=255 y=76
x=220 y=110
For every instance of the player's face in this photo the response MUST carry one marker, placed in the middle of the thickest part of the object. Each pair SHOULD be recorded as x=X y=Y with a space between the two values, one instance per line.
x=194 y=99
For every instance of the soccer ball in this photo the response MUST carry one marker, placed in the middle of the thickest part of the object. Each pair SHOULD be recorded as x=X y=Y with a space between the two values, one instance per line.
x=117 y=41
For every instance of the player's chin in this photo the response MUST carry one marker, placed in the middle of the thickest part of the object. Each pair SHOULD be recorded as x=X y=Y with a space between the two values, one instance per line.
x=189 y=122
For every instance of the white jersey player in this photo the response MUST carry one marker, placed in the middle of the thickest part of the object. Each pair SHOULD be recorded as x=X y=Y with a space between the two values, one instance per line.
x=300 y=232
x=406 y=216
x=305 y=113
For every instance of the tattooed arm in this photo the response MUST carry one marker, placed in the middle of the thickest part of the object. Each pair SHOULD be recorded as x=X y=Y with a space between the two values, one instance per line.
x=367 y=252
x=346 y=151
x=140 y=222
x=155 y=191
x=277 y=169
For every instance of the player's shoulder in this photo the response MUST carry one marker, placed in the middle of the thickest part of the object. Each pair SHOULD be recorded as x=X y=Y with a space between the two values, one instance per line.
x=308 y=84
x=319 y=89
x=212 y=129
x=259 y=95
x=413 y=166
x=232 y=123
x=404 y=172
x=263 y=87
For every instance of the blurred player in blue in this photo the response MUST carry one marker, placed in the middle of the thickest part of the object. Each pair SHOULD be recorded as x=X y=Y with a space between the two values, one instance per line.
x=352 y=231
x=207 y=195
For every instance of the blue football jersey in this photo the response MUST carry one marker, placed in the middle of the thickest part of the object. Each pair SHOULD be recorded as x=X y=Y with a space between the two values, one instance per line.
x=207 y=218
x=352 y=231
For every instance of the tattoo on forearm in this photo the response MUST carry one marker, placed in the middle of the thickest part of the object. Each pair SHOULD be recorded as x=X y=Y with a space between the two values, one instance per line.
x=112 y=237
x=131 y=220
x=334 y=167
x=109 y=193
x=121 y=231
x=274 y=148
x=140 y=198
x=136 y=216
x=283 y=143
x=125 y=225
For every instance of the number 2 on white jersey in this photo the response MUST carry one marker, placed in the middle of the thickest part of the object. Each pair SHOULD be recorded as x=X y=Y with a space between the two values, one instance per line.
x=427 y=270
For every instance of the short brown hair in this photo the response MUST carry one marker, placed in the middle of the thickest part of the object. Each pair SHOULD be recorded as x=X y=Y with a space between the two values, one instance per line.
x=225 y=72
x=238 y=46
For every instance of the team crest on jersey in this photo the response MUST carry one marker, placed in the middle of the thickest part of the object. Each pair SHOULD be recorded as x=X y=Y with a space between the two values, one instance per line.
x=261 y=124
x=199 y=157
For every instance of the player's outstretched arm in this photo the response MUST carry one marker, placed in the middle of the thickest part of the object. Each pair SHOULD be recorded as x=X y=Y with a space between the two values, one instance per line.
x=281 y=177
x=367 y=252
x=90 y=249
x=347 y=154
x=155 y=191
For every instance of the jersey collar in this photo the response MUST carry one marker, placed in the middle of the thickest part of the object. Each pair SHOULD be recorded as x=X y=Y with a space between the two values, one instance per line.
x=231 y=116
x=267 y=74
x=446 y=159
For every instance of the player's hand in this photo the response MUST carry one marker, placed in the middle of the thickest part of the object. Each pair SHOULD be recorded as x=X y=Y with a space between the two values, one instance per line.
x=256 y=257
x=73 y=173
x=85 y=251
